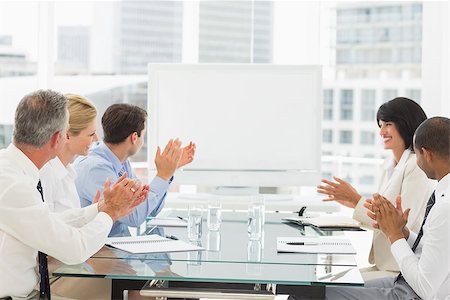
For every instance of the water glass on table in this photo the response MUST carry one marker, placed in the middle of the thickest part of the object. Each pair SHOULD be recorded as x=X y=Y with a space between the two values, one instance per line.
x=256 y=211
x=195 y=220
x=214 y=218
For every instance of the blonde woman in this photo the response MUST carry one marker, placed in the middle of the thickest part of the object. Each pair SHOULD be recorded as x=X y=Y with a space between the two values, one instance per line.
x=58 y=175
x=60 y=193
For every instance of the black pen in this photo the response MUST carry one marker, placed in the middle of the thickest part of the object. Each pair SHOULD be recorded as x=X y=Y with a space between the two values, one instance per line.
x=172 y=237
x=181 y=218
x=301 y=243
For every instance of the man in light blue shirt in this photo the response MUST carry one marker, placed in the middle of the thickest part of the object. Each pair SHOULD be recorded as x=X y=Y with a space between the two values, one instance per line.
x=124 y=134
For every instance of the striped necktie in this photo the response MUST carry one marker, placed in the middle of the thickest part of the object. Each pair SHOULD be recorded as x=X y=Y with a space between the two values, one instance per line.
x=44 y=286
x=430 y=204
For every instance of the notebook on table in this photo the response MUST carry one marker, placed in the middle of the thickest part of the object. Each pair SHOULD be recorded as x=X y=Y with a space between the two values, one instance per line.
x=327 y=222
x=320 y=244
x=150 y=244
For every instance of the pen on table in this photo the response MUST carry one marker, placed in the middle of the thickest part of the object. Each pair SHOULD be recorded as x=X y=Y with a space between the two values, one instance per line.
x=181 y=218
x=150 y=229
x=301 y=211
x=172 y=237
x=302 y=243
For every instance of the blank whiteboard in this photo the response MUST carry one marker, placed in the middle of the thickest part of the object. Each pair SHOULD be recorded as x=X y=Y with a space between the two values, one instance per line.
x=257 y=125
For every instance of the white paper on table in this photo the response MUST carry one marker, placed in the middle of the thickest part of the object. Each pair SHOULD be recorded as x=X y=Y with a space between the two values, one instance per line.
x=150 y=244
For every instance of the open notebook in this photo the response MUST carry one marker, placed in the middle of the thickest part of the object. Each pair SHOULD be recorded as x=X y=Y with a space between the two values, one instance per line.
x=327 y=222
x=150 y=244
x=320 y=244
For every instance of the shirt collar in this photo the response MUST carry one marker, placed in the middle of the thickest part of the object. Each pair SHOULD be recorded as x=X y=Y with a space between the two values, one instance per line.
x=60 y=170
x=110 y=156
x=23 y=162
x=443 y=187
x=389 y=165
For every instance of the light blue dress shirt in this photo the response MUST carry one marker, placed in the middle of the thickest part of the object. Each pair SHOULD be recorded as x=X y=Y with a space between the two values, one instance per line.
x=101 y=163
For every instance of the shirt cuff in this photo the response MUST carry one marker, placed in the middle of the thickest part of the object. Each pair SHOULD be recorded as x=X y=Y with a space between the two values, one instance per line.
x=359 y=211
x=401 y=249
x=158 y=184
x=412 y=238
x=91 y=211
x=105 y=218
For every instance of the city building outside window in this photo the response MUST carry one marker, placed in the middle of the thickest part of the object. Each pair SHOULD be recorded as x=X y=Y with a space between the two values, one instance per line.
x=389 y=94
x=367 y=105
x=414 y=94
x=328 y=104
x=372 y=54
x=346 y=104
x=327 y=136
x=367 y=138
x=345 y=137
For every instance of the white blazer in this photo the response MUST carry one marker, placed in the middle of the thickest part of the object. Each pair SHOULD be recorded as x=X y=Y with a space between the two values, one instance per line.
x=409 y=181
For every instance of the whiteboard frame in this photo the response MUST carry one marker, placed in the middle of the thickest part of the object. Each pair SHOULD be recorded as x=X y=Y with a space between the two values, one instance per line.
x=222 y=177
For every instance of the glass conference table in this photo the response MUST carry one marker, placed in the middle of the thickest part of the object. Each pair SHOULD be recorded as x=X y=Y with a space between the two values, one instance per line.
x=230 y=266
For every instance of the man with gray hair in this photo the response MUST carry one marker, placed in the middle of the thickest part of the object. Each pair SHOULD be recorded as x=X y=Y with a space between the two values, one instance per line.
x=28 y=231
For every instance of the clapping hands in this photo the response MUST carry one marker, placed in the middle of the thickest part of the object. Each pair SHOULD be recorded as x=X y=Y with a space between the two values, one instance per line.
x=388 y=218
x=173 y=157
x=340 y=191
x=120 y=199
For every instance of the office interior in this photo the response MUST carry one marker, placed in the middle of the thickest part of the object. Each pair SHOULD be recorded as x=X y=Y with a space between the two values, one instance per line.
x=368 y=53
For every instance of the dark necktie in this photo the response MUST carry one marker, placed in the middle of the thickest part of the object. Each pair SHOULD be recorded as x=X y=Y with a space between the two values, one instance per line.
x=44 y=287
x=430 y=204
x=120 y=173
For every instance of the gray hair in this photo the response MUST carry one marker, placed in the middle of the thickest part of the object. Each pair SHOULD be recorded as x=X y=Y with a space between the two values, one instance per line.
x=39 y=116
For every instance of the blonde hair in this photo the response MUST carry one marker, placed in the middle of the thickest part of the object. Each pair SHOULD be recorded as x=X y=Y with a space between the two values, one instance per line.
x=81 y=112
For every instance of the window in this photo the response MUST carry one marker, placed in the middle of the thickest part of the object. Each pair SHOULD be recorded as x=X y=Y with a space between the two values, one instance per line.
x=327 y=175
x=367 y=105
x=235 y=31
x=389 y=94
x=345 y=137
x=344 y=56
x=414 y=94
x=346 y=104
x=5 y=135
x=328 y=104
x=18 y=59
x=327 y=136
x=100 y=50
x=367 y=138
x=367 y=179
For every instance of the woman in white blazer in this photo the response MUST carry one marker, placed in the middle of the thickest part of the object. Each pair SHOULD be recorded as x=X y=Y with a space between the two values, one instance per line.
x=400 y=175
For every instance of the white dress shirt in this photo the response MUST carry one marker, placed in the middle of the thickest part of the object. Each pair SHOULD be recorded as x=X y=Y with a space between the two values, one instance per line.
x=58 y=183
x=27 y=225
x=406 y=179
x=427 y=270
